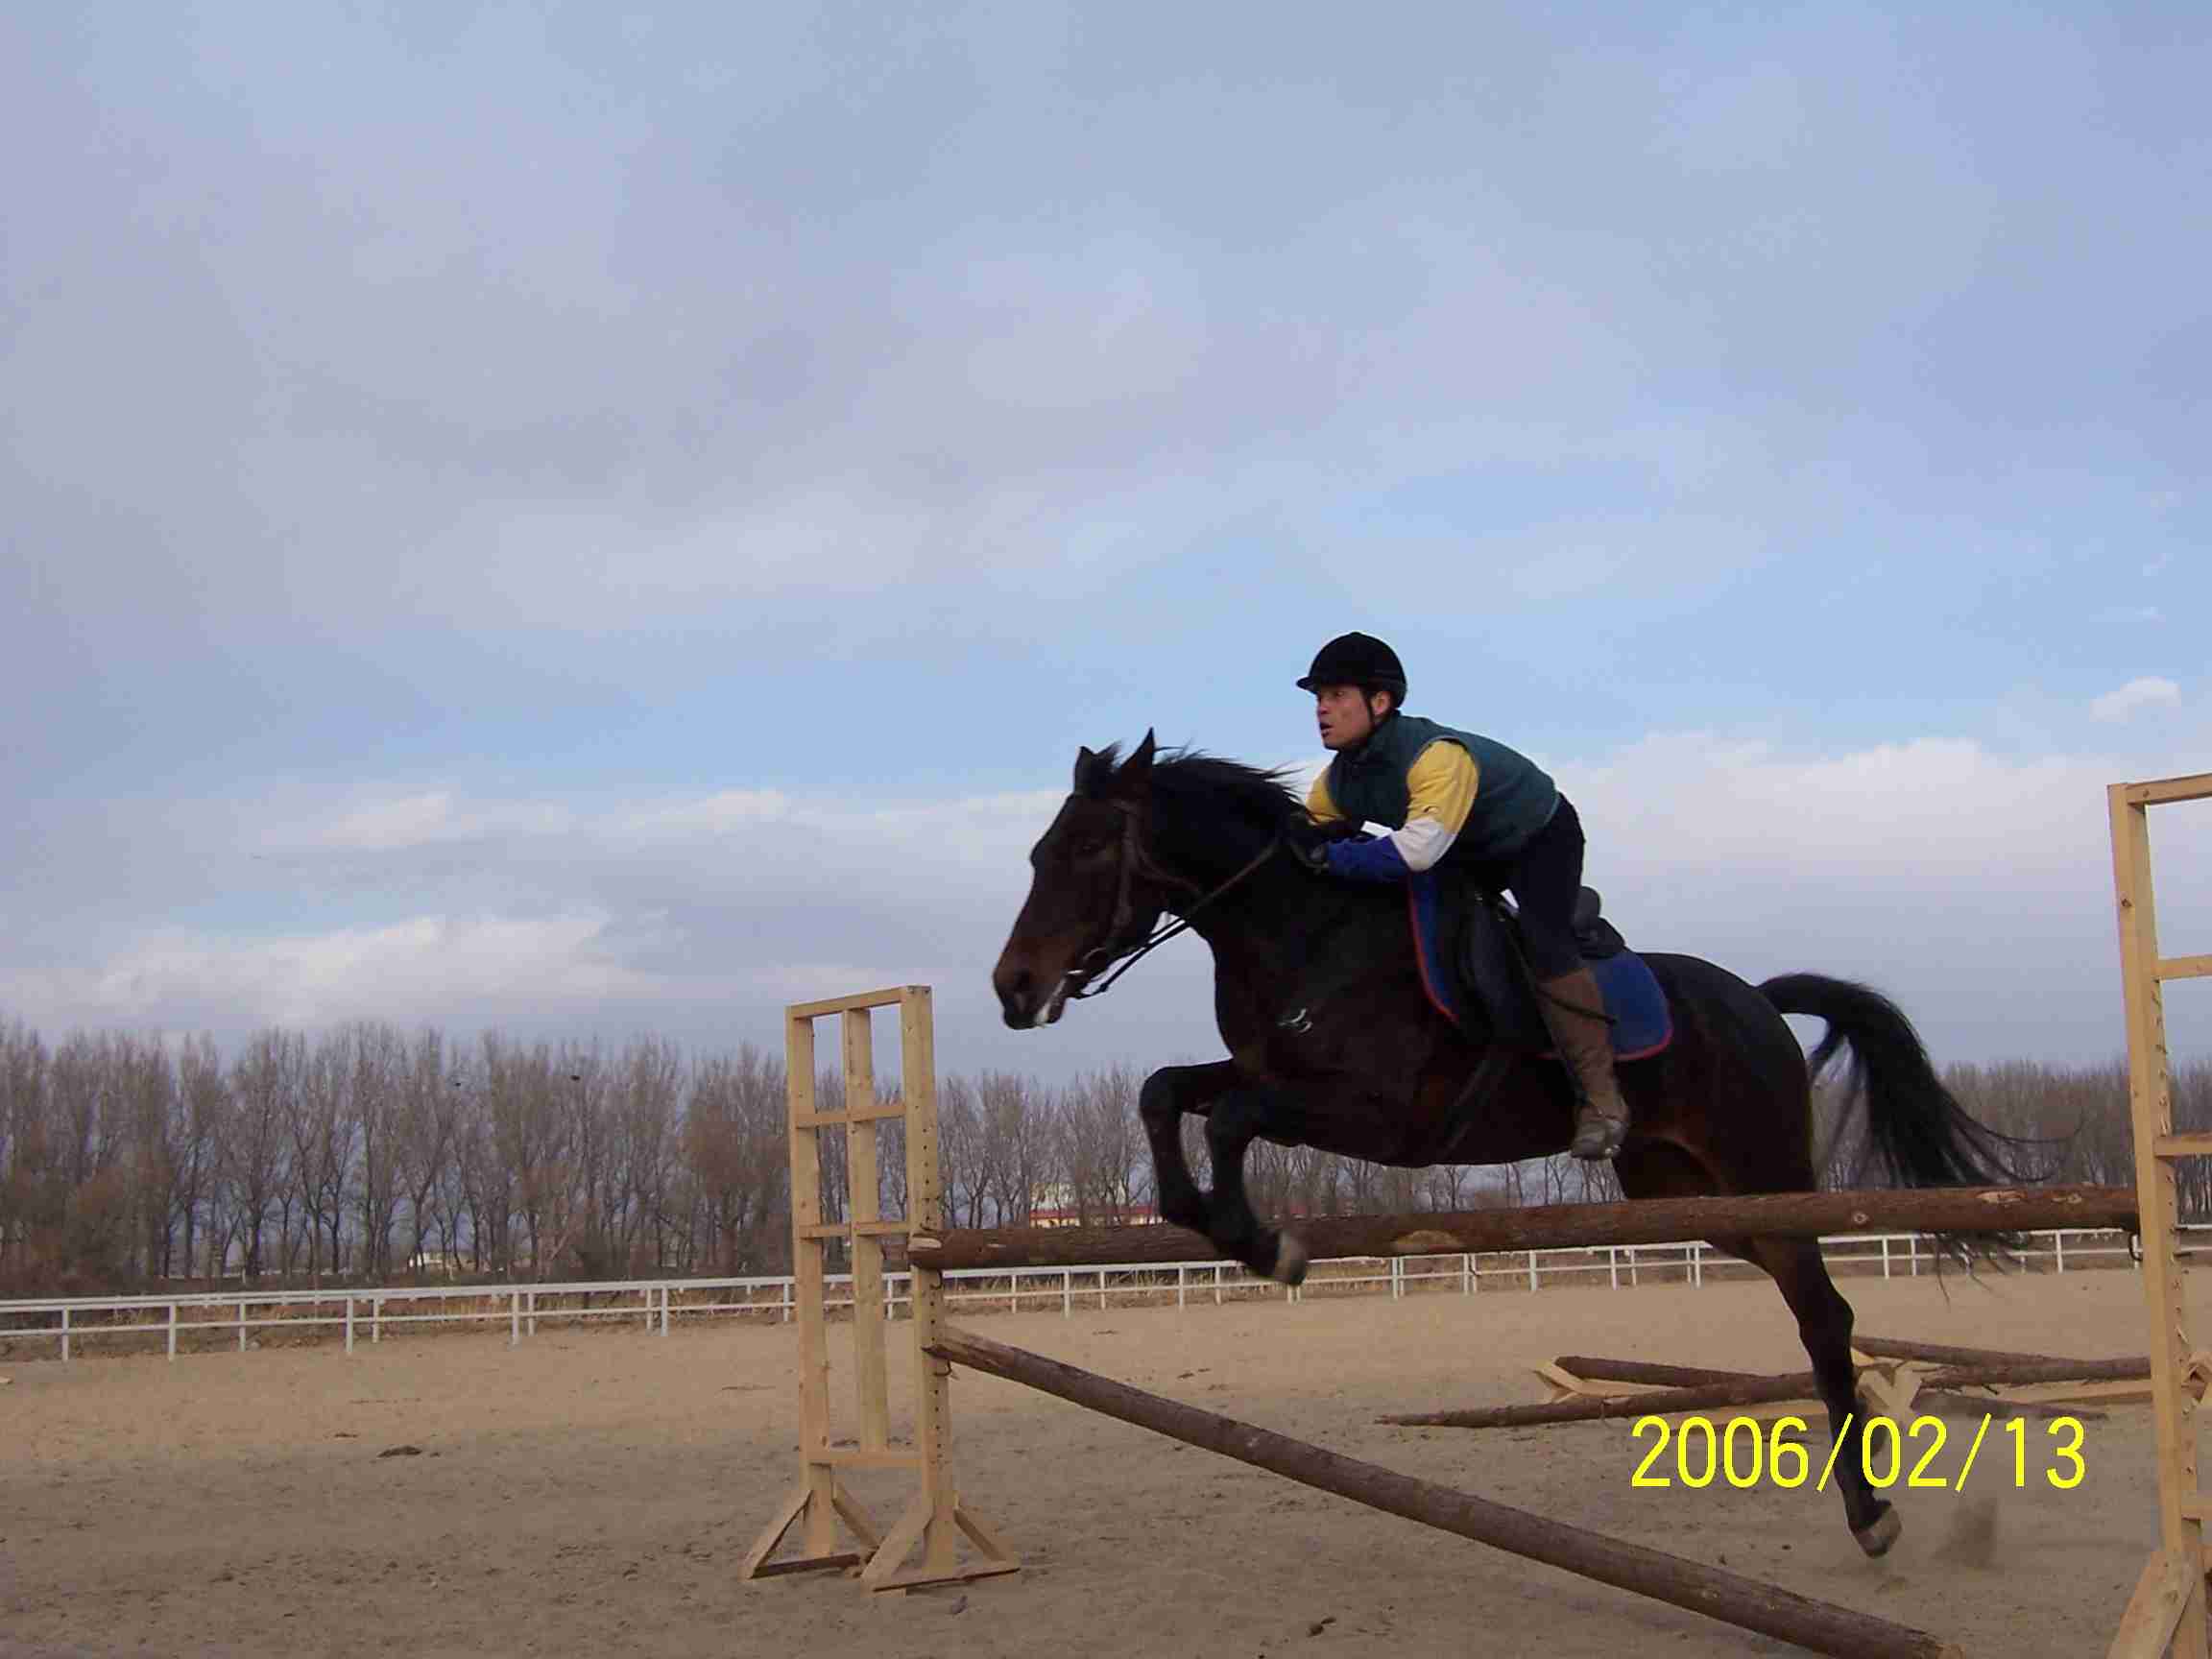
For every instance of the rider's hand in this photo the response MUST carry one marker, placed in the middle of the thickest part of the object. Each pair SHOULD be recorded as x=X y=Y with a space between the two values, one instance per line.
x=1309 y=841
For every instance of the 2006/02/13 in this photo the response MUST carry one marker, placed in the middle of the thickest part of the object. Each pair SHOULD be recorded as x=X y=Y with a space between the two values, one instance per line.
x=1880 y=1452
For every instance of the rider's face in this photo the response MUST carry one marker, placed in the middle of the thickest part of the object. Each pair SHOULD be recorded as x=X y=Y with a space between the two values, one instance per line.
x=1345 y=717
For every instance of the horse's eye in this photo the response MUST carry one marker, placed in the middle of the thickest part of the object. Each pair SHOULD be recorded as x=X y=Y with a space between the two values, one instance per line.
x=1093 y=847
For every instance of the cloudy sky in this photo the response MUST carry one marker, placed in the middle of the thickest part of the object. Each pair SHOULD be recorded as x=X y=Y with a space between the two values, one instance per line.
x=591 y=523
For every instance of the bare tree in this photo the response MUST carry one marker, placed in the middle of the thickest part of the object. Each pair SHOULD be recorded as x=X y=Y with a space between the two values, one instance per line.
x=735 y=1144
x=264 y=1080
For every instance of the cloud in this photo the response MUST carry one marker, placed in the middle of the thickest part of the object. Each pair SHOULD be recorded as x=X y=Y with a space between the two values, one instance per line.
x=2135 y=694
x=1971 y=886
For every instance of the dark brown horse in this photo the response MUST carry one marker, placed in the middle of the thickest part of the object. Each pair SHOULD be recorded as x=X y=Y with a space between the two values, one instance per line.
x=1333 y=1045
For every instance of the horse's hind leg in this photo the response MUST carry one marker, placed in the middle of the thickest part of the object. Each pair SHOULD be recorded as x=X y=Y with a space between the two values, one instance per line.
x=1824 y=1326
x=1661 y=1167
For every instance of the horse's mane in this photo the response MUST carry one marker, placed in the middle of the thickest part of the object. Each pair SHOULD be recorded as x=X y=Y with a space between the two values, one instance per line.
x=1193 y=781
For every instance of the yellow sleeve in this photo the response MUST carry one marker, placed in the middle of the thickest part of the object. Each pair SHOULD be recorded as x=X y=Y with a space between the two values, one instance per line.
x=1318 y=805
x=1441 y=786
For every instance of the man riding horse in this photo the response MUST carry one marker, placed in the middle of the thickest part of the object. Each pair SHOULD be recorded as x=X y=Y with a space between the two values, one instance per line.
x=1470 y=806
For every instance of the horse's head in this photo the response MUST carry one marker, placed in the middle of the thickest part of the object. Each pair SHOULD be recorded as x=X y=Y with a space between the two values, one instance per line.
x=1092 y=894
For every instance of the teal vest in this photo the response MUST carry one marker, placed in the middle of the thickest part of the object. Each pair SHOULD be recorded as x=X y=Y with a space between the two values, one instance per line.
x=1513 y=799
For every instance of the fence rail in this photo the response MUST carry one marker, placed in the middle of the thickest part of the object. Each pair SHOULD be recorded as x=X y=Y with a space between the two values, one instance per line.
x=655 y=1302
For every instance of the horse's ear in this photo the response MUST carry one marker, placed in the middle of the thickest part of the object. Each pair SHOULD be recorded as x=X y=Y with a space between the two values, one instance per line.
x=1085 y=761
x=1135 y=778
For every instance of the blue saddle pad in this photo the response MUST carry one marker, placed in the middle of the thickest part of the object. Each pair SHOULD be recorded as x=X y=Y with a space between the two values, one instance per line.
x=1643 y=1023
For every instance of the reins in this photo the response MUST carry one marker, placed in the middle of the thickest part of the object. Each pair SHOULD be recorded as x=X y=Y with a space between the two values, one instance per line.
x=1124 y=909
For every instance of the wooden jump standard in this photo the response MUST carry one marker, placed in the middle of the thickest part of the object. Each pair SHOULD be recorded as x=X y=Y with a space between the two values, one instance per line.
x=1562 y=1226
x=936 y=1518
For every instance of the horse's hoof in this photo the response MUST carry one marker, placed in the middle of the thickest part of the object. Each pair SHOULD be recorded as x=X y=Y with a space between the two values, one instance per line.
x=1879 y=1534
x=1289 y=1261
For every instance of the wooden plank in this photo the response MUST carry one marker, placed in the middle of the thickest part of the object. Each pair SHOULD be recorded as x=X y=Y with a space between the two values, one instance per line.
x=844 y=1004
x=847 y=1229
x=869 y=1458
x=2153 y=1620
x=1714 y=1592
x=2162 y=791
x=851 y=1114
x=1557 y=1226
x=806 y=1272
x=864 y=1208
x=2197 y=1144
x=2151 y=1107
x=2185 y=967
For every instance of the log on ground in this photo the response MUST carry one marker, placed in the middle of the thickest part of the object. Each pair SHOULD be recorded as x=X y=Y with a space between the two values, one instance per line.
x=1740 y=1389
x=1728 y=1596
x=1942 y=1354
x=1963 y=1210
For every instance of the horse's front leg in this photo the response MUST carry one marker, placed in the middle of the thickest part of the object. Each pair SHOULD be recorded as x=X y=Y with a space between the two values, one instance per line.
x=1238 y=1119
x=1168 y=1094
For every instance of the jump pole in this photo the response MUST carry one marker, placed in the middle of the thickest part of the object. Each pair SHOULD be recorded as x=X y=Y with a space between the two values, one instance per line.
x=1962 y=1210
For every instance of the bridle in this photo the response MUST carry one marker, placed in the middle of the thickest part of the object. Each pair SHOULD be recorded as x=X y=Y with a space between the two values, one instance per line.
x=1135 y=861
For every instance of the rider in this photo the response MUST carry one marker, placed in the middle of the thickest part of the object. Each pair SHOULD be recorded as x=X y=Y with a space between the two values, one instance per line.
x=1468 y=800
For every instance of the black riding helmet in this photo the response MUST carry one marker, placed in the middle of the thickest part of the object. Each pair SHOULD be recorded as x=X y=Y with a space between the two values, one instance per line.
x=1358 y=660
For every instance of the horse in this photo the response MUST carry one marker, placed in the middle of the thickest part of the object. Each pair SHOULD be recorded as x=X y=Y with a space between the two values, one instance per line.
x=1333 y=1045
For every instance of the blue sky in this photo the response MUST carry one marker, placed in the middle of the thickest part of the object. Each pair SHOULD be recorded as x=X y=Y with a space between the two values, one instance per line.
x=583 y=523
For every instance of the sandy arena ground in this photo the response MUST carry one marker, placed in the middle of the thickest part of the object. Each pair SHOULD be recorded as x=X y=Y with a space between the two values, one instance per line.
x=591 y=1492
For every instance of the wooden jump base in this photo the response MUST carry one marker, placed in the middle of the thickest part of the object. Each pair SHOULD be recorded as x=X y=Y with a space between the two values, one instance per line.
x=1560 y=1226
x=1728 y=1596
x=2167 y=1613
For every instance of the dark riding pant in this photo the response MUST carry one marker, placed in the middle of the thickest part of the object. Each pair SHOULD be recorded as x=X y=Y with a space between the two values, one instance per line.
x=1545 y=877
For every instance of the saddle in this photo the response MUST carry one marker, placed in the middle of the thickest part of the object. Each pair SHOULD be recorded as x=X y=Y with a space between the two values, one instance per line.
x=1474 y=968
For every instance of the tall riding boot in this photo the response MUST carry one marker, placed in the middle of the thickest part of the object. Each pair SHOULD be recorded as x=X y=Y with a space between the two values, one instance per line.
x=1574 y=1009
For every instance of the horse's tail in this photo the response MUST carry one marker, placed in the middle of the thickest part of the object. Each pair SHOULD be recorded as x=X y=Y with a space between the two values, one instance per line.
x=1917 y=1134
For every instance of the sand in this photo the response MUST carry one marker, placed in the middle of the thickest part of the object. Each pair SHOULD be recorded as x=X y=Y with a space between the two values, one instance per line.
x=590 y=1491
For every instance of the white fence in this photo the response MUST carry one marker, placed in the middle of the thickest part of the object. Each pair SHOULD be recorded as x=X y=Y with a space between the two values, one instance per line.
x=654 y=1303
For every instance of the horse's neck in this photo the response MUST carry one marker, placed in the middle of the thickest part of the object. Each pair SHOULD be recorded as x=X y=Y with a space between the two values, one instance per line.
x=1266 y=927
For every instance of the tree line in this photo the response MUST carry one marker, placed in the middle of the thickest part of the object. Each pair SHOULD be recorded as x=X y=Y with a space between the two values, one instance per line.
x=371 y=1154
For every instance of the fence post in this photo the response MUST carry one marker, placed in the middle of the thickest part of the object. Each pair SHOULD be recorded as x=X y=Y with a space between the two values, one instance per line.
x=1884 y=1255
x=1397 y=1277
x=375 y=1320
x=241 y=1327
x=664 y=1290
x=1216 y=1283
x=349 y=1324
x=1067 y=1291
x=1698 y=1263
x=1912 y=1255
x=1467 y=1275
x=172 y=1330
x=514 y=1318
x=533 y=1318
x=787 y=1301
x=1181 y=1274
x=1532 y=1270
x=1612 y=1267
x=2059 y=1244
x=64 y=1333
x=1101 y=1290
